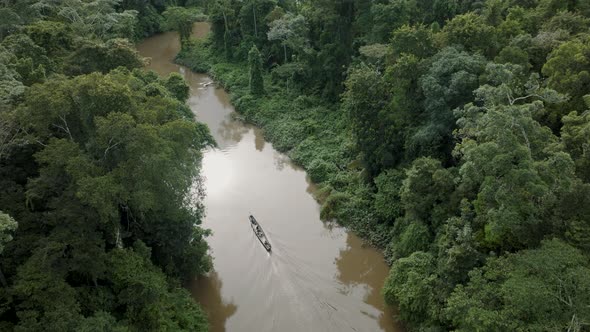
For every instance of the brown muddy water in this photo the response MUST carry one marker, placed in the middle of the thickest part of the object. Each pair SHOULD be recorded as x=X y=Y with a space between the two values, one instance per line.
x=319 y=277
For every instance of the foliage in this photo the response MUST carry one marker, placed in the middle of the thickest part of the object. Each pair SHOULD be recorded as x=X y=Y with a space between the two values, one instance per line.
x=537 y=289
x=92 y=128
x=453 y=134
x=291 y=31
x=363 y=103
x=91 y=56
x=256 y=81
x=181 y=20
x=416 y=40
x=149 y=20
x=448 y=84
x=7 y=225
x=575 y=135
x=10 y=21
x=568 y=71
x=471 y=31
x=97 y=18
x=99 y=165
x=410 y=285
x=195 y=56
x=387 y=197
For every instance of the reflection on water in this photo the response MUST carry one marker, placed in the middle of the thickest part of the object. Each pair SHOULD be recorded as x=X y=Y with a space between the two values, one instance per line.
x=259 y=139
x=228 y=131
x=206 y=291
x=318 y=277
x=282 y=161
x=223 y=98
x=358 y=266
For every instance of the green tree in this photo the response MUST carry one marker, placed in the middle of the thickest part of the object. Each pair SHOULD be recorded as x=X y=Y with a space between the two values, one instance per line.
x=406 y=109
x=415 y=237
x=256 y=80
x=24 y=49
x=54 y=37
x=410 y=285
x=364 y=103
x=149 y=20
x=98 y=171
x=181 y=20
x=375 y=54
x=568 y=71
x=93 y=56
x=571 y=22
x=251 y=18
x=222 y=15
x=97 y=18
x=538 y=289
x=331 y=24
x=391 y=15
x=291 y=31
x=575 y=137
x=416 y=40
x=11 y=88
x=10 y=21
x=387 y=199
x=515 y=55
x=508 y=164
x=141 y=289
x=7 y=226
x=177 y=86
x=426 y=186
x=471 y=31
x=448 y=84
x=458 y=248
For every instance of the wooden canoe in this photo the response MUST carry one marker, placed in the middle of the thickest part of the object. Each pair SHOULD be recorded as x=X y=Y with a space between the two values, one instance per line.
x=259 y=233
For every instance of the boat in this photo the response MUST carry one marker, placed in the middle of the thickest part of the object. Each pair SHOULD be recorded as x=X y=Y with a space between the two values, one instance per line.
x=260 y=233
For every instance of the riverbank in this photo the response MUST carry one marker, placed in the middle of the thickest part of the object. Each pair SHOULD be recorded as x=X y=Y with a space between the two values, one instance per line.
x=319 y=276
x=312 y=132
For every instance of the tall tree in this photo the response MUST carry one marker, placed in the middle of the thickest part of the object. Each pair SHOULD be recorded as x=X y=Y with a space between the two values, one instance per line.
x=448 y=84
x=291 y=31
x=568 y=71
x=256 y=80
x=223 y=21
x=364 y=103
x=7 y=227
x=181 y=20
x=10 y=21
x=515 y=178
x=575 y=135
x=538 y=289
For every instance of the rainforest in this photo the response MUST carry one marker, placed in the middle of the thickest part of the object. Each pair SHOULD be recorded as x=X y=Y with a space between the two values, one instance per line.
x=451 y=135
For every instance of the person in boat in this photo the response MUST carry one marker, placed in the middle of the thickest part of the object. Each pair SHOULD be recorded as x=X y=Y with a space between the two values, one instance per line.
x=266 y=244
x=258 y=230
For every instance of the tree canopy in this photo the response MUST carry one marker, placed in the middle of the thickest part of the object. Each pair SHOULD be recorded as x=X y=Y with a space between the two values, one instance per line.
x=99 y=174
x=451 y=134
x=454 y=135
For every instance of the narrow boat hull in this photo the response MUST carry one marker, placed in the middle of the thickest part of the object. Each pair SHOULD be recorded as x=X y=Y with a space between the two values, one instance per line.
x=260 y=233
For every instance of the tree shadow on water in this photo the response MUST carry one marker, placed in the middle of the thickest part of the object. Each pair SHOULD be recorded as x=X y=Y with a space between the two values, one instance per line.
x=207 y=291
x=362 y=268
x=231 y=131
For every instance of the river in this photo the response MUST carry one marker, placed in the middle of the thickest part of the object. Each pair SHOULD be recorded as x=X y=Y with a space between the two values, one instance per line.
x=319 y=277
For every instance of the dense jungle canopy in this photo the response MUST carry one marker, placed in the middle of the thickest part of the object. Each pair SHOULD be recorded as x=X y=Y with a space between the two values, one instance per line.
x=452 y=134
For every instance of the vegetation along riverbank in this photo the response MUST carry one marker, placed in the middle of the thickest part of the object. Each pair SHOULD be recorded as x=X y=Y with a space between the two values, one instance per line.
x=99 y=173
x=453 y=135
